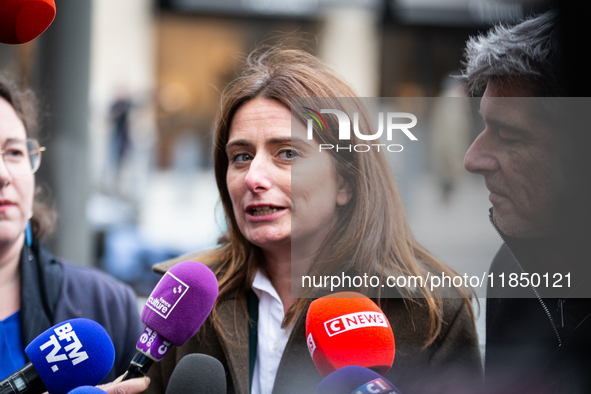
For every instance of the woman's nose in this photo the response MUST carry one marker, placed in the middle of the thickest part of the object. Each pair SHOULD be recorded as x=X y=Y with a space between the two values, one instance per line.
x=258 y=178
x=5 y=176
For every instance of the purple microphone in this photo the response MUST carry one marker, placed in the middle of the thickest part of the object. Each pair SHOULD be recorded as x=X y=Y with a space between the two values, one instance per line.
x=176 y=309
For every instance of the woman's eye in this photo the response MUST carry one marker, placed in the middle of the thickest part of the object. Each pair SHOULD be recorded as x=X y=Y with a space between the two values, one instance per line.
x=288 y=154
x=241 y=157
x=14 y=153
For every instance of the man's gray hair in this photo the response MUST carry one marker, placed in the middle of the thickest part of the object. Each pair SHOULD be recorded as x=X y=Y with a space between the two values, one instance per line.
x=528 y=50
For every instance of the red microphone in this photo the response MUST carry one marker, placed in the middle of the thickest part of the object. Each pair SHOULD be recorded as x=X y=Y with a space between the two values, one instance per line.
x=348 y=328
x=23 y=20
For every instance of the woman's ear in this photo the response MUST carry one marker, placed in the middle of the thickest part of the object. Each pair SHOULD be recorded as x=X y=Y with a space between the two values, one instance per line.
x=344 y=193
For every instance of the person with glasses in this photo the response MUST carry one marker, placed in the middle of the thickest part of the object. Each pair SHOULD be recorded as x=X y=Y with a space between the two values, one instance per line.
x=38 y=290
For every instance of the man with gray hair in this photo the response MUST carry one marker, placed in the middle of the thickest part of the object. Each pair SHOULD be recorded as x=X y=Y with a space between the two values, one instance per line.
x=537 y=334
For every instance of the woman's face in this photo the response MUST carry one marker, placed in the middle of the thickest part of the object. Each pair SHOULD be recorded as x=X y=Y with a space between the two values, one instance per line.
x=262 y=150
x=16 y=193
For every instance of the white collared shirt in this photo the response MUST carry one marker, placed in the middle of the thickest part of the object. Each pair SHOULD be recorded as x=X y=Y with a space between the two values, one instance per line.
x=271 y=337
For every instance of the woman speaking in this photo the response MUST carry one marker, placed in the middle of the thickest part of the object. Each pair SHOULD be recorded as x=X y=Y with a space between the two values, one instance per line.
x=278 y=191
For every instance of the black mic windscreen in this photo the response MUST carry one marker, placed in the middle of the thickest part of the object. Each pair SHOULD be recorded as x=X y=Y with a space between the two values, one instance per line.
x=196 y=374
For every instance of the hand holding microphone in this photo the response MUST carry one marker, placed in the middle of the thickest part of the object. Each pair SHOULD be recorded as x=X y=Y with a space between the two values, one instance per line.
x=174 y=311
x=348 y=328
x=73 y=353
x=133 y=386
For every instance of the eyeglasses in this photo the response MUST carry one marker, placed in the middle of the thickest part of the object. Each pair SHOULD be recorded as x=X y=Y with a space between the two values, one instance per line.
x=22 y=157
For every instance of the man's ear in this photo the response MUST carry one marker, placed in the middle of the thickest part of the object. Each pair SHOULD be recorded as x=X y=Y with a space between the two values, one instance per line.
x=344 y=193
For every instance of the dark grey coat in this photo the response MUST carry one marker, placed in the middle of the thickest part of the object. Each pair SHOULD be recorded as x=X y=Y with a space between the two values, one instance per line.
x=53 y=291
x=535 y=344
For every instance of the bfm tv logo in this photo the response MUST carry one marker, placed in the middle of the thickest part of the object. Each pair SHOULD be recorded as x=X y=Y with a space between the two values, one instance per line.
x=66 y=333
x=345 y=129
x=353 y=321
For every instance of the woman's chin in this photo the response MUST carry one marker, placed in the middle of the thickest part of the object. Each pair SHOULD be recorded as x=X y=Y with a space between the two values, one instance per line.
x=271 y=241
x=7 y=237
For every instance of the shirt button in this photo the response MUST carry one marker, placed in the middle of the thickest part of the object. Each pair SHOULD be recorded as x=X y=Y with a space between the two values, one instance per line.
x=276 y=346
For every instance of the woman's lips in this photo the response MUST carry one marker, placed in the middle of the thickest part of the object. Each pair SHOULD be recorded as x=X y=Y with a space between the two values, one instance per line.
x=263 y=212
x=5 y=204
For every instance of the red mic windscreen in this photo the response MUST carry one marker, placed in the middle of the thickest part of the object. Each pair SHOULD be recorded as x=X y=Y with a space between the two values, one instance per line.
x=23 y=20
x=348 y=328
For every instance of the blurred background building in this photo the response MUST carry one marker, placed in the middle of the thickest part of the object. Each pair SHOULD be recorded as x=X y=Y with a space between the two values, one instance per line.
x=129 y=90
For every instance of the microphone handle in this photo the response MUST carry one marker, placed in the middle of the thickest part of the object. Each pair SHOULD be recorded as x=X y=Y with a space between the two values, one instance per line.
x=24 y=381
x=138 y=367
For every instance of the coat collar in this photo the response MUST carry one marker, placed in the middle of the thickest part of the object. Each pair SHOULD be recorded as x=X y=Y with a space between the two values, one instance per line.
x=161 y=268
x=41 y=283
x=234 y=322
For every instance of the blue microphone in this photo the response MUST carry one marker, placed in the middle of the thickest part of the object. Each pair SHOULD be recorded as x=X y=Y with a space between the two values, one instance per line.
x=87 y=390
x=73 y=353
x=356 y=380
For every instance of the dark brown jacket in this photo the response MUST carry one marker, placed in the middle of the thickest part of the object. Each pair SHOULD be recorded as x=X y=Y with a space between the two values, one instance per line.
x=452 y=364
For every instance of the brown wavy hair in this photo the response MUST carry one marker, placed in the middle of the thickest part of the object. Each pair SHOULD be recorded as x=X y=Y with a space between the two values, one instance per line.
x=24 y=103
x=373 y=228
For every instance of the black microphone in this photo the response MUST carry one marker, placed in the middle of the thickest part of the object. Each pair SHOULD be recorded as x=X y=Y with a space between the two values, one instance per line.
x=197 y=373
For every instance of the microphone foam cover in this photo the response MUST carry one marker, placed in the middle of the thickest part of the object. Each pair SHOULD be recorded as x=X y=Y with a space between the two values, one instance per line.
x=23 y=20
x=181 y=301
x=353 y=379
x=348 y=329
x=197 y=373
x=87 y=390
x=73 y=353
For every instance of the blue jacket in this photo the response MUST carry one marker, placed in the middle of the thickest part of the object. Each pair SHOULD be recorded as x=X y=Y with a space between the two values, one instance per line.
x=53 y=291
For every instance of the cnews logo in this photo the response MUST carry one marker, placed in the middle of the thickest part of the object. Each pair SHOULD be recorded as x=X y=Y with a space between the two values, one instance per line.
x=345 y=128
x=64 y=332
x=376 y=386
x=353 y=321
